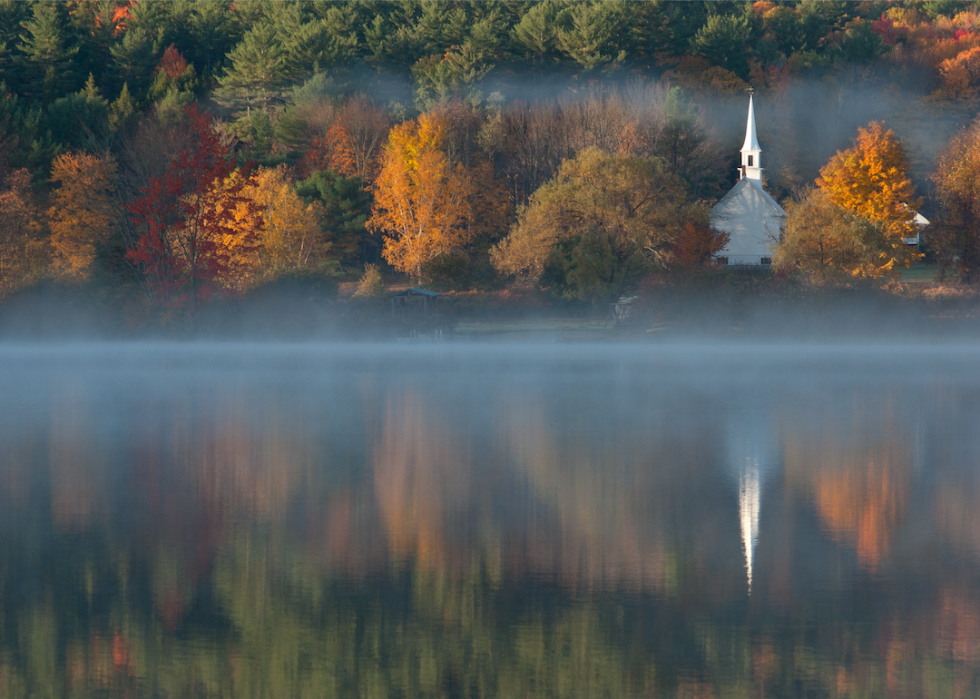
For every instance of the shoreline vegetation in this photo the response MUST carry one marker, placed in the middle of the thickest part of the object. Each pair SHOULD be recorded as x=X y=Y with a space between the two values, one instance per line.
x=733 y=306
x=209 y=168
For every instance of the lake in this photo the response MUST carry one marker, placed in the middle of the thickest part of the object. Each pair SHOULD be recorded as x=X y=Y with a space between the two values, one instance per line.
x=489 y=520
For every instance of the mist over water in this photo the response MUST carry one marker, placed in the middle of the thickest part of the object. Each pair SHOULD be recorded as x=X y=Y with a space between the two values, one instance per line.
x=489 y=519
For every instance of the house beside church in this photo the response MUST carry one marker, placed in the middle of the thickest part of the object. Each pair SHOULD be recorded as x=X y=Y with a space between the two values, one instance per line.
x=751 y=217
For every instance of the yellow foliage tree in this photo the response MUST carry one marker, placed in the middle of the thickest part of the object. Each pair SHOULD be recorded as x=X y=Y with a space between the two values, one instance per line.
x=423 y=204
x=82 y=213
x=869 y=180
x=237 y=242
x=290 y=238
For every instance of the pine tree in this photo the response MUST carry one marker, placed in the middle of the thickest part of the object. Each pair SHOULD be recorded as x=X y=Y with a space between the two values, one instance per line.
x=536 y=30
x=588 y=39
x=134 y=59
x=47 y=55
x=258 y=71
x=215 y=29
x=122 y=110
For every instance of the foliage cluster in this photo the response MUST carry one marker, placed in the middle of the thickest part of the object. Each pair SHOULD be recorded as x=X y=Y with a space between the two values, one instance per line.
x=434 y=175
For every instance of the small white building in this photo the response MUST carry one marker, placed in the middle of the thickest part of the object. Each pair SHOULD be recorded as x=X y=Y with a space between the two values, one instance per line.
x=751 y=217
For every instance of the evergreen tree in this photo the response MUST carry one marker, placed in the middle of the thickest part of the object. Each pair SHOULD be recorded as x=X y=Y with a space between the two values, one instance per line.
x=722 y=42
x=80 y=120
x=134 y=59
x=258 y=71
x=97 y=28
x=588 y=38
x=121 y=111
x=47 y=53
x=536 y=33
x=345 y=208
x=215 y=30
x=13 y=14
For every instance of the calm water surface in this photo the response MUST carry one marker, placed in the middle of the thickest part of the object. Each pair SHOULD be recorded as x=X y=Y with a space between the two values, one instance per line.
x=489 y=521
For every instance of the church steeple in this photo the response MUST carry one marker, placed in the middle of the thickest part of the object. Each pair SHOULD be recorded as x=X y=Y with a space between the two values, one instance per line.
x=751 y=166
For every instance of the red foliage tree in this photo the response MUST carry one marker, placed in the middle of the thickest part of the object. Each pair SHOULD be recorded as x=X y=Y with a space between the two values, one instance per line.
x=172 y=63
x=193 y=216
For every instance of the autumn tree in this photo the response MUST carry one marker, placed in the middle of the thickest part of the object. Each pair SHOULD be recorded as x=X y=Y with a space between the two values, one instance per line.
x=826 y=242
x=600 y=225
x=23 y=254
x=290 y=238
x=956 y=234
x=422 y=202
x=353 y=142
x=82 y=213
x=198 y=219
x=870 y=180
x=698 y=245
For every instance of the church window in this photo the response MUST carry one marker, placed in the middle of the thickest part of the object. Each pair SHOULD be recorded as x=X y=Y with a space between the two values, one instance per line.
x=765 y=261
x=750 y=161
x=723 y=260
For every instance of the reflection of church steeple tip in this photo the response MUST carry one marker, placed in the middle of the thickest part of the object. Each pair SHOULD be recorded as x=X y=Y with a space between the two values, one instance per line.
x=749 y=503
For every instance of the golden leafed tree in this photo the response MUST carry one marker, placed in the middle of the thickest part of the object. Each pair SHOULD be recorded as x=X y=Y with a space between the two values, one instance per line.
x=601 y=223
x=23 y=255
x=870 y=180
x=423 y=204
x=956 y=234
x=826 y=242
x=83 y=211
x=290 y=237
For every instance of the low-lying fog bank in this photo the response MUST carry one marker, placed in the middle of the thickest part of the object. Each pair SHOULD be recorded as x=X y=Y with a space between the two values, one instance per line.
x=923 y=313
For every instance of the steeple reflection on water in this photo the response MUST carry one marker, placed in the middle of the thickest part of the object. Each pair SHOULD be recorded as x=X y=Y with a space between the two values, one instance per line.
x=752 y=455
x=489 y=521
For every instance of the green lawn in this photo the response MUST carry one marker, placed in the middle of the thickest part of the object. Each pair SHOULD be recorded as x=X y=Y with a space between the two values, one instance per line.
x=920 y=273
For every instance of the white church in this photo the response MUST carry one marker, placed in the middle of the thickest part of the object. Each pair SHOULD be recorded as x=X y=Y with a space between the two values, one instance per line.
x=751 y=217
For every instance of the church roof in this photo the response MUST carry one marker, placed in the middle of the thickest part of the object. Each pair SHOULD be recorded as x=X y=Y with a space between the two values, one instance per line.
x=740 y=187
x=751 y=140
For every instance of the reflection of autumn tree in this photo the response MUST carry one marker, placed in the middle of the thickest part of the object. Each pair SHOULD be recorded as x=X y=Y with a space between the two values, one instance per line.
x=601 y=543
x=78 y=470
x=860 y=486
x=238 y=468
x=419 y=470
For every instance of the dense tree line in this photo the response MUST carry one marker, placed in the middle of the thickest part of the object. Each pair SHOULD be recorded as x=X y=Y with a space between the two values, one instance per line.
x=316 y=108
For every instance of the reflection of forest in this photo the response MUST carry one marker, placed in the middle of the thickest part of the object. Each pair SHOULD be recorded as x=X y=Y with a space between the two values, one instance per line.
x=407 y=541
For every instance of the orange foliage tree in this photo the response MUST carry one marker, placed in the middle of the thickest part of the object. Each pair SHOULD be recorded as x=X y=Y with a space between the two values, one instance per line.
x=82 y=213
x=698 y=245
x=423 y=204
x=870 y=180
x=352 y=145
x=22 y=252
x=960 y=75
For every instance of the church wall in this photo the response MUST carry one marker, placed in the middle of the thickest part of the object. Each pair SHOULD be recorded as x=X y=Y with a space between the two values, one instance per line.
x=752 y=224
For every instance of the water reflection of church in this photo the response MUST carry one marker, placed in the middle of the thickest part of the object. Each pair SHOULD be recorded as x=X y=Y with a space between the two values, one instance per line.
x=752 y=454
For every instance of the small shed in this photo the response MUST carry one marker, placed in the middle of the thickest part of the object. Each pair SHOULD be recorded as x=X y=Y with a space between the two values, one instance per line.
x=920 y=222
x=415 y=299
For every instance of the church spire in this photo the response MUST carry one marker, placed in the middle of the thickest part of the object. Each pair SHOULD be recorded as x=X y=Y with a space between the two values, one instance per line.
x=751 y=166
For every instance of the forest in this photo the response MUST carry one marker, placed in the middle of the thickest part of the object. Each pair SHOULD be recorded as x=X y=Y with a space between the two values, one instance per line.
x=163 y=158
